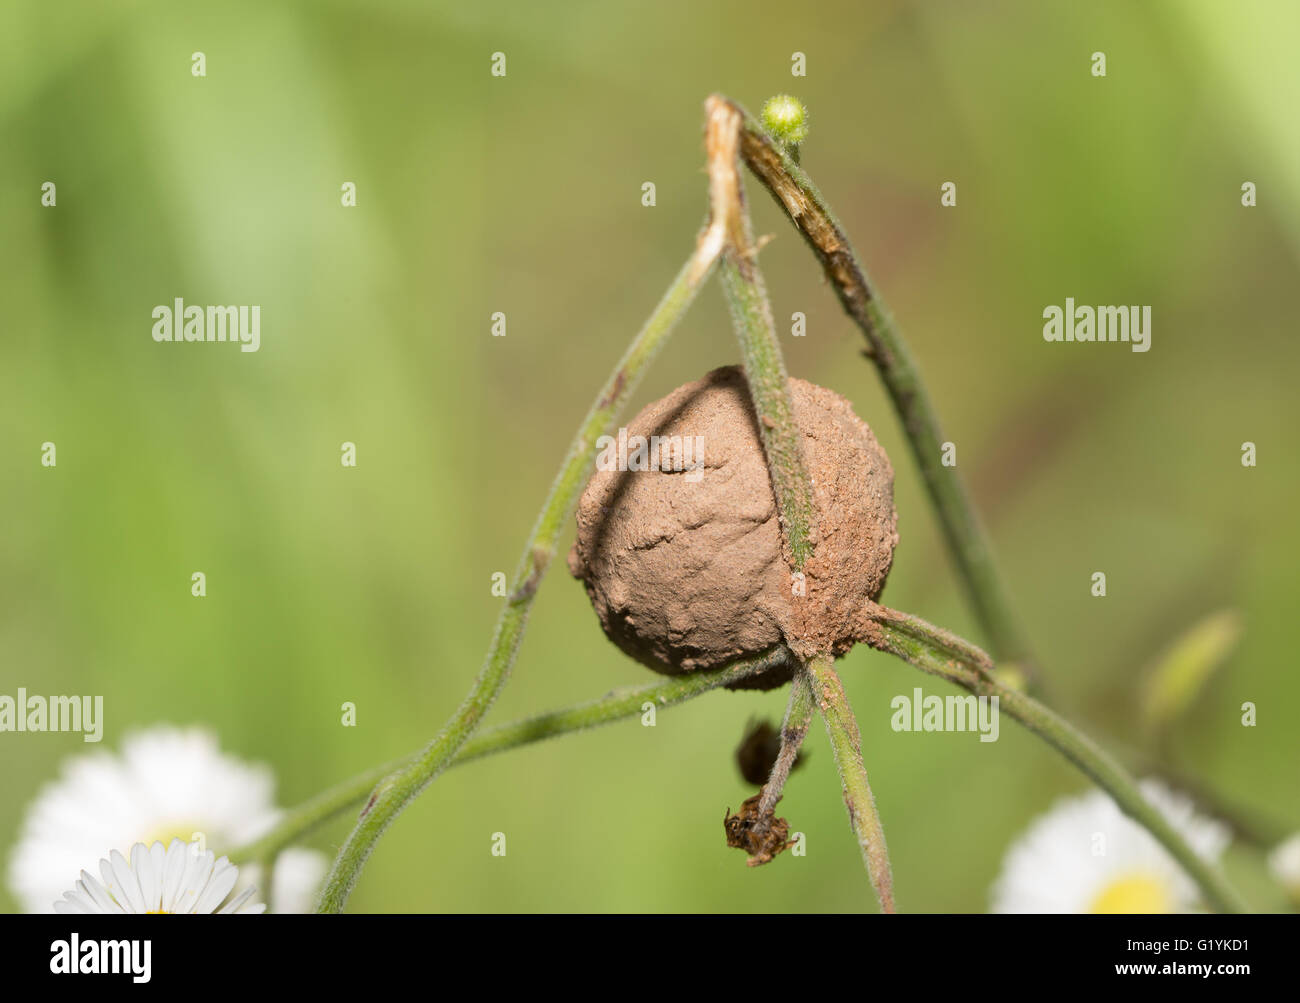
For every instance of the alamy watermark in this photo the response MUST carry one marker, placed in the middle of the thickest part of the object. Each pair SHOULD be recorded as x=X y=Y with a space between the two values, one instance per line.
x=179 y=322
x=75 y=956
x=679 y=454
x=951 y=713
x=1102 y=323
x=57 y=713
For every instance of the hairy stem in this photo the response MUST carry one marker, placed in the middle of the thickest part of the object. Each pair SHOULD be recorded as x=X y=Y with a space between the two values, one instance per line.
x=303 y=819
x=944 y=654
x=769 y=387
x=614 y=706
x=794 y=729
x=846 y=743
x=626 y=702
x=794 y=191
x=751 y=314
x=397 y=790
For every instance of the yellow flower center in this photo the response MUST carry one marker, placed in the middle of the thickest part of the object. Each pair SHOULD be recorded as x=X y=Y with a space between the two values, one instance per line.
x=1140 y=893
x=166 y=832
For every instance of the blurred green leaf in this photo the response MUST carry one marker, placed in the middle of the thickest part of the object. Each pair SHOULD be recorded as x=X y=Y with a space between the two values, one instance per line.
x=1187 y=665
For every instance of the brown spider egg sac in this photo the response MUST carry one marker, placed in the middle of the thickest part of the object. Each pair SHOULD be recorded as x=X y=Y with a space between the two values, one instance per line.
x=680 y=546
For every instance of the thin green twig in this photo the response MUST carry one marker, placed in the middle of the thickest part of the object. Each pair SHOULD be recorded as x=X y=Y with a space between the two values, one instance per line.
x=795 y=192
x=397 y=790
x=846 y=743
x=614 y=706
x=944 y=654
x=751 y=313
x=794 y=729
x=910 y=637
x=769 y=386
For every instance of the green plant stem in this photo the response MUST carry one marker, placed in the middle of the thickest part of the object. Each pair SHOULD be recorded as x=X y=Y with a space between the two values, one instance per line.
x=795 y=192
x=303 y=819
x=1246 y=822
x=769 y=387
x=846 y=743
x=614 y=706
x=944 y=654
x=751 y=314
x=626 y=702
x=397 y=790
x=794 y=729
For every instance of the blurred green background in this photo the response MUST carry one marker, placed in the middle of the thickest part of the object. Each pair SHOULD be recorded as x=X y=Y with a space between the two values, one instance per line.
x=522 y=194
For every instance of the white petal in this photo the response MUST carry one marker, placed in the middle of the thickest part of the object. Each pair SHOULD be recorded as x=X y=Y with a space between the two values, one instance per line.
x=73 y=904
x=173 y=871
x=149 y=880
x=237 y=901
x=198 y=867
x=1284 y=862
x=128 y=884
x=80 y=900
x=296 y=880
x=157 y=864
x=90 y=887
x=224 y=876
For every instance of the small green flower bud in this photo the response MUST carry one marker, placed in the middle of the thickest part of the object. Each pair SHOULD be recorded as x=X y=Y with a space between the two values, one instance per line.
x=786 y=118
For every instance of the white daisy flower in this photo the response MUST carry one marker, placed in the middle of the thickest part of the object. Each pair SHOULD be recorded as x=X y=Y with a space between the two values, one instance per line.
x=180 y=878
x=165 y=783
x=1085 y=855
x=1284 y=863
